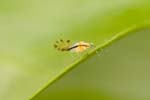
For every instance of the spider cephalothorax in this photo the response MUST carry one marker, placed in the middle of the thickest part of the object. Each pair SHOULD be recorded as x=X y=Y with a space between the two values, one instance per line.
x=62 y=45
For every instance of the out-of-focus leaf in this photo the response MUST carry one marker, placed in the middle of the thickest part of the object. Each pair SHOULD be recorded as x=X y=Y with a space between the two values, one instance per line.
x=28 y=29
x=119 y=72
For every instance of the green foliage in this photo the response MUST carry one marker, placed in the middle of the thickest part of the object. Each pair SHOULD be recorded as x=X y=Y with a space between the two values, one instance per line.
x=118 y=72
x=28 y=61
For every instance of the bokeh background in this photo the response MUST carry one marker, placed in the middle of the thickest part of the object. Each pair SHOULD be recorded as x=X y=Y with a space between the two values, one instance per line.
x=28 y=61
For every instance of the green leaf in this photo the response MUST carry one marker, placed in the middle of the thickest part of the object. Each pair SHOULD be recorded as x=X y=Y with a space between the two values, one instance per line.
x=119 y=72
x=29 y=28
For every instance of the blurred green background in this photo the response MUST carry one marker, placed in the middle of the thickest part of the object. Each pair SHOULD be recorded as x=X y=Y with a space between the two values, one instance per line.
x=29 y=28
x=119 y=72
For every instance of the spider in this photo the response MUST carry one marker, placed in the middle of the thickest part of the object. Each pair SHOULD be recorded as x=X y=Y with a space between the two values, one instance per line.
x=81 y=46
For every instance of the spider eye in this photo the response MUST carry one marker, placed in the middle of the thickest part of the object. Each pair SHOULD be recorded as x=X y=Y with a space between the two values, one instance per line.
x=68 y=41
x=62 y=45
x=61 y=40
x=62 y=49
x=55 y=46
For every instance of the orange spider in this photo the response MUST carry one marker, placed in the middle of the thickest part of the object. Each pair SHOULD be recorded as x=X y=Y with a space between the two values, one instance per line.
x=81 y=46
